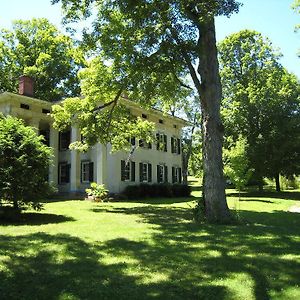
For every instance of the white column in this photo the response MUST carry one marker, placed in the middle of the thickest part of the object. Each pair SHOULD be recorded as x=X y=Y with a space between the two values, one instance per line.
x=101 y=164
x=53 y=168
x=75 y=165
x=35 y=123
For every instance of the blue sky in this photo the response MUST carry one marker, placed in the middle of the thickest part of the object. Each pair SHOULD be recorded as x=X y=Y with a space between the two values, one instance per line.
x=273 y=18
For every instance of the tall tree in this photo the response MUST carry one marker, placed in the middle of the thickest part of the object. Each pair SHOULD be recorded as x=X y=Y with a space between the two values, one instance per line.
x=155 y=42
x=296 y=8
x=36 y=48
x=261 y=103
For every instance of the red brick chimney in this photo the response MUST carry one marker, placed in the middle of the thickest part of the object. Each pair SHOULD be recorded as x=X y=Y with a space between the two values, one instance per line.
x=26 y=86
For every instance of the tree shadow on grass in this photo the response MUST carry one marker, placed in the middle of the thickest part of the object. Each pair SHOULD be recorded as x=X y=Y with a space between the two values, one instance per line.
x=290 y=195
x=179 y=260
x=35 y=218
x=65 y=267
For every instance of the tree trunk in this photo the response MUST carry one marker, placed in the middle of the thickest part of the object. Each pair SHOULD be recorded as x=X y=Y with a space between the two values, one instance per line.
x=216 y=208
x=277 y=176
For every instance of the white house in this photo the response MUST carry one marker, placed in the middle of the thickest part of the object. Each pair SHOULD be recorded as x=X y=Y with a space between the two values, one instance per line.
x=72 y=171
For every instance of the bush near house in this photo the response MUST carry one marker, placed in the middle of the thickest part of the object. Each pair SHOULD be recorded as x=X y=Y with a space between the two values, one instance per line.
x=24 y=163
x=157 y=190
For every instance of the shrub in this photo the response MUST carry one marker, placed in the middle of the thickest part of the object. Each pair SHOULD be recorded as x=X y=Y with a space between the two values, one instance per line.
x=98 y=192
x=24 y=165
x=157 y=190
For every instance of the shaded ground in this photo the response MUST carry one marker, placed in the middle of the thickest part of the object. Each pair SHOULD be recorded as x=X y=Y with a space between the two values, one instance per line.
x=152 y=250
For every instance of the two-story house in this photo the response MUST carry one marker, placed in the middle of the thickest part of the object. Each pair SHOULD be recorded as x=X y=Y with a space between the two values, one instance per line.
x=73 y=171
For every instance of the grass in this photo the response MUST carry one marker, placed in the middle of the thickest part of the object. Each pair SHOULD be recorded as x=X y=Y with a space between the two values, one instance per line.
x=152 y=250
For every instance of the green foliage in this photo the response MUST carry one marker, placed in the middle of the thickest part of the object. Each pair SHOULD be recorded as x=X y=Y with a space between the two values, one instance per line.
x=24 y=164
x=237 y=163
x=112 y=123
x=97 y=191
x=157 y=190
x=36 y=48
x=261 y=103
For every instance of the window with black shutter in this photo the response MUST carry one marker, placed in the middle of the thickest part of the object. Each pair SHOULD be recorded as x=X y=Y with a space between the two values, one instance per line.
x=176 y=175
x=178 y=146
x=125 y=170
x=161 y=142
x=64 y=140
x=166 y=173
x=161 y=173
x=87 y=172
x=63 y=173
x=145 y=172
x=172 y=145
x=165 y=143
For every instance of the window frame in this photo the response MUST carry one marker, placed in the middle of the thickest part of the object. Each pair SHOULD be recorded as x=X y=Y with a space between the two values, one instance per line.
x=86 y=172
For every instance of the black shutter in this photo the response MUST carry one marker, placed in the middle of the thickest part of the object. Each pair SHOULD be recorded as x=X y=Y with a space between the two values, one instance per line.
x=122 y=170
x=81 y=166
x=58 y=174
x=179 y=174
x=149 y=172
x=172 y=144
x=149 y=145
x=166 y=173
x=59 y=140
x=173 y=174
x=91 y=171
x=68 y=167
x=133 y=141
x=157 y=141
x=165 y=143
x=141 y=172
x=132 y=171
x=179 y=146
x=157 y=173
x=68 y=137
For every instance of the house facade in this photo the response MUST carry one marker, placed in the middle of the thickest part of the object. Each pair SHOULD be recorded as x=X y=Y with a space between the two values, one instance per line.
x=73 y=171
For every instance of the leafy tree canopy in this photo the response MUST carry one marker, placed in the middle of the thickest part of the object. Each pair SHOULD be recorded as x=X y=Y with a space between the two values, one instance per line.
x=154 y=46
x=36 y=48
x=260 y=102
x=24 y=163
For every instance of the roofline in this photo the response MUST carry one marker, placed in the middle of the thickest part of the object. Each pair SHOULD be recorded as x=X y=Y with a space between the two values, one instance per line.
x=22 y=97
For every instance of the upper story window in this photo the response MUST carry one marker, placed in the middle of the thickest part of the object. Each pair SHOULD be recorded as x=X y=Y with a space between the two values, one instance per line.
x=160 y=121
x=175 y=145
x=143 y=144
x=176 y=175
x=127 y=171
x=175 y=126
x=45 y=111
x=144 y=116
x=161 y=142
x=145 y=172
x=64 y=140
x=24 y=106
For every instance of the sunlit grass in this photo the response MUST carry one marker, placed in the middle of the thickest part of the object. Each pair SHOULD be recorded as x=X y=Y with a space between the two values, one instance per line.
x=153 y=249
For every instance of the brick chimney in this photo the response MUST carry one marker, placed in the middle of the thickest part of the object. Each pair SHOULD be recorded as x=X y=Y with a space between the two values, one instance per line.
x=26 y=86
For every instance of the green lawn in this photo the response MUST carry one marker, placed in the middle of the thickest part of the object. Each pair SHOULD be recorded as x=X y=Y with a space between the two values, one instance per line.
x=152 y=250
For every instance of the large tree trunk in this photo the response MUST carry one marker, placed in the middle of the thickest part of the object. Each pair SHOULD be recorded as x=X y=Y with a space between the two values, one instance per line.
x=216 y=208
x=277 y=182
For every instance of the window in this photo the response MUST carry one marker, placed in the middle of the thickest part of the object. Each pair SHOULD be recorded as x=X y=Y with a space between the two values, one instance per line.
x=145 y=172
x=87 y=172
x=175 y=145
x=64 y=140
x=161 y=142
x=144 y=116
x=45 y=111
x=175 y=126
x=162 y=173
x=176 y=175
x=63 y=173
x=143 y=144
x=161 y=121
x=46 y=135
x=127 y=171
x=24 y=106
